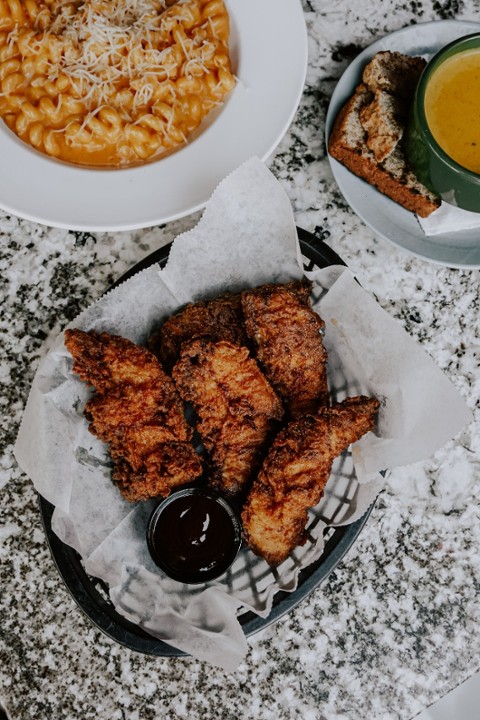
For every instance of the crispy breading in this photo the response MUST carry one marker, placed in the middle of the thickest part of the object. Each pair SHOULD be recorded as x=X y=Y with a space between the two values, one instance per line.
x=295 y=472
x=287 y=335
x=220 y=318
x=236 y=405
x=137 y=411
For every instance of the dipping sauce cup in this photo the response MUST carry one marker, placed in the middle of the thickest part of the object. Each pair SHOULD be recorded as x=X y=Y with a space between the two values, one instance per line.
x=443 y=132
x=194 y=535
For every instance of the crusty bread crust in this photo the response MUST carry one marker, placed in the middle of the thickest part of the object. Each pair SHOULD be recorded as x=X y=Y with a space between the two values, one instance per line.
x=393 y=72
x=348 y=143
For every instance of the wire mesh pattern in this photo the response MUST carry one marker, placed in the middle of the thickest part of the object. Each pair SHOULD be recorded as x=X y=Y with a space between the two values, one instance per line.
x=253 y=580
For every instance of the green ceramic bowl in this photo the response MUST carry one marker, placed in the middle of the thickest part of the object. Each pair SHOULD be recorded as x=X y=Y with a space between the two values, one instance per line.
x=454 y=183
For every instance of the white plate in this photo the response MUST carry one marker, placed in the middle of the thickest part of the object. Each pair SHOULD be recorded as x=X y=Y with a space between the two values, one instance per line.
x=269 y=56
x=385 y=217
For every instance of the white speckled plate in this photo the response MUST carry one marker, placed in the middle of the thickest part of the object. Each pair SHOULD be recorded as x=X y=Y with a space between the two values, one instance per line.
x=269 y=56
x=385 y=217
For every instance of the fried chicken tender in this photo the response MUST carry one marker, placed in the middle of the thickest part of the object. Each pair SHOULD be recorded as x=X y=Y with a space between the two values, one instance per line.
x=137 y=412
x=287 y=335
x=236 y=406
x=295 y=472
x=218 y=319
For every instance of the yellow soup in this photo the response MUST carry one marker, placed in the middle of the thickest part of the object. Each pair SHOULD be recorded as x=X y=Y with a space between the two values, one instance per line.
x=452 y=108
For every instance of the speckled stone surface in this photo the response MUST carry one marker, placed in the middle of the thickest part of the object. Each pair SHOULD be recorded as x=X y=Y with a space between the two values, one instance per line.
x=396 y=625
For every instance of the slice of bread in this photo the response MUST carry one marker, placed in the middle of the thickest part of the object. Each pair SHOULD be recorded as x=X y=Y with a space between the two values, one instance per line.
x=367 y=136
x=395 y=73
x=383 y=121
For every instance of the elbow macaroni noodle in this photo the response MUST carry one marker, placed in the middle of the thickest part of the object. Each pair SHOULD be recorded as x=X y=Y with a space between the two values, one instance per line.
x=111 y=82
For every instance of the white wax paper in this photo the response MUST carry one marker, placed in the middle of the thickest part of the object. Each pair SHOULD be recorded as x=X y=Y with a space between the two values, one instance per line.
x=246 y=236
x=448 y=218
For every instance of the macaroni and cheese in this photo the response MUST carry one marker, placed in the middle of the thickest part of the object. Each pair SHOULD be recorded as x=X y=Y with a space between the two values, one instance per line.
x=111 y=82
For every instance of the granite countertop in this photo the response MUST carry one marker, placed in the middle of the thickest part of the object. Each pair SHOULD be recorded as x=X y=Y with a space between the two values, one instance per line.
x=395 y=626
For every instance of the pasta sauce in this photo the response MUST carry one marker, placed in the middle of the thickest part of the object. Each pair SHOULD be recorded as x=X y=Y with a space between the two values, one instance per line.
x=111 y=82
x=452 y=108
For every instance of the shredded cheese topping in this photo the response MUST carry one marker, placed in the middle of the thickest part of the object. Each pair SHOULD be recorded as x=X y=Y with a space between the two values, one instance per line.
x=111 y=81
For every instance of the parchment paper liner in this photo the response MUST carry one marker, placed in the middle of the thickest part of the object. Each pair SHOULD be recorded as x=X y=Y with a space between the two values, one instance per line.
x=246 y=236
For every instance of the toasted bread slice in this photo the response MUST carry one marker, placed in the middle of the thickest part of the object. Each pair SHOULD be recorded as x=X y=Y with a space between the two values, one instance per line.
x=383 y=121
x=394 y=73
x=367 y=136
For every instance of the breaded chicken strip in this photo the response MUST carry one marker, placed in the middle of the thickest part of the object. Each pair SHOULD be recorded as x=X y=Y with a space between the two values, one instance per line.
x=295 y=472
x=217 y=319
x=137 y=411
x=236 y=405
x=287 y=335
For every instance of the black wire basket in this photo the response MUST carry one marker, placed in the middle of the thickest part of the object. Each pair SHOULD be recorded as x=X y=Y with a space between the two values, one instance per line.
x=92 y=594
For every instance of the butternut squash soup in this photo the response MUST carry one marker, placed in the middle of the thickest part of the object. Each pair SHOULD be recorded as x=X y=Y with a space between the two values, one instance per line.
x=452 y=108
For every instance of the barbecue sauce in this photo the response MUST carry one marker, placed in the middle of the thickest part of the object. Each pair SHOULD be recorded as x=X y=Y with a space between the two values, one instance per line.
x=193 y=536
